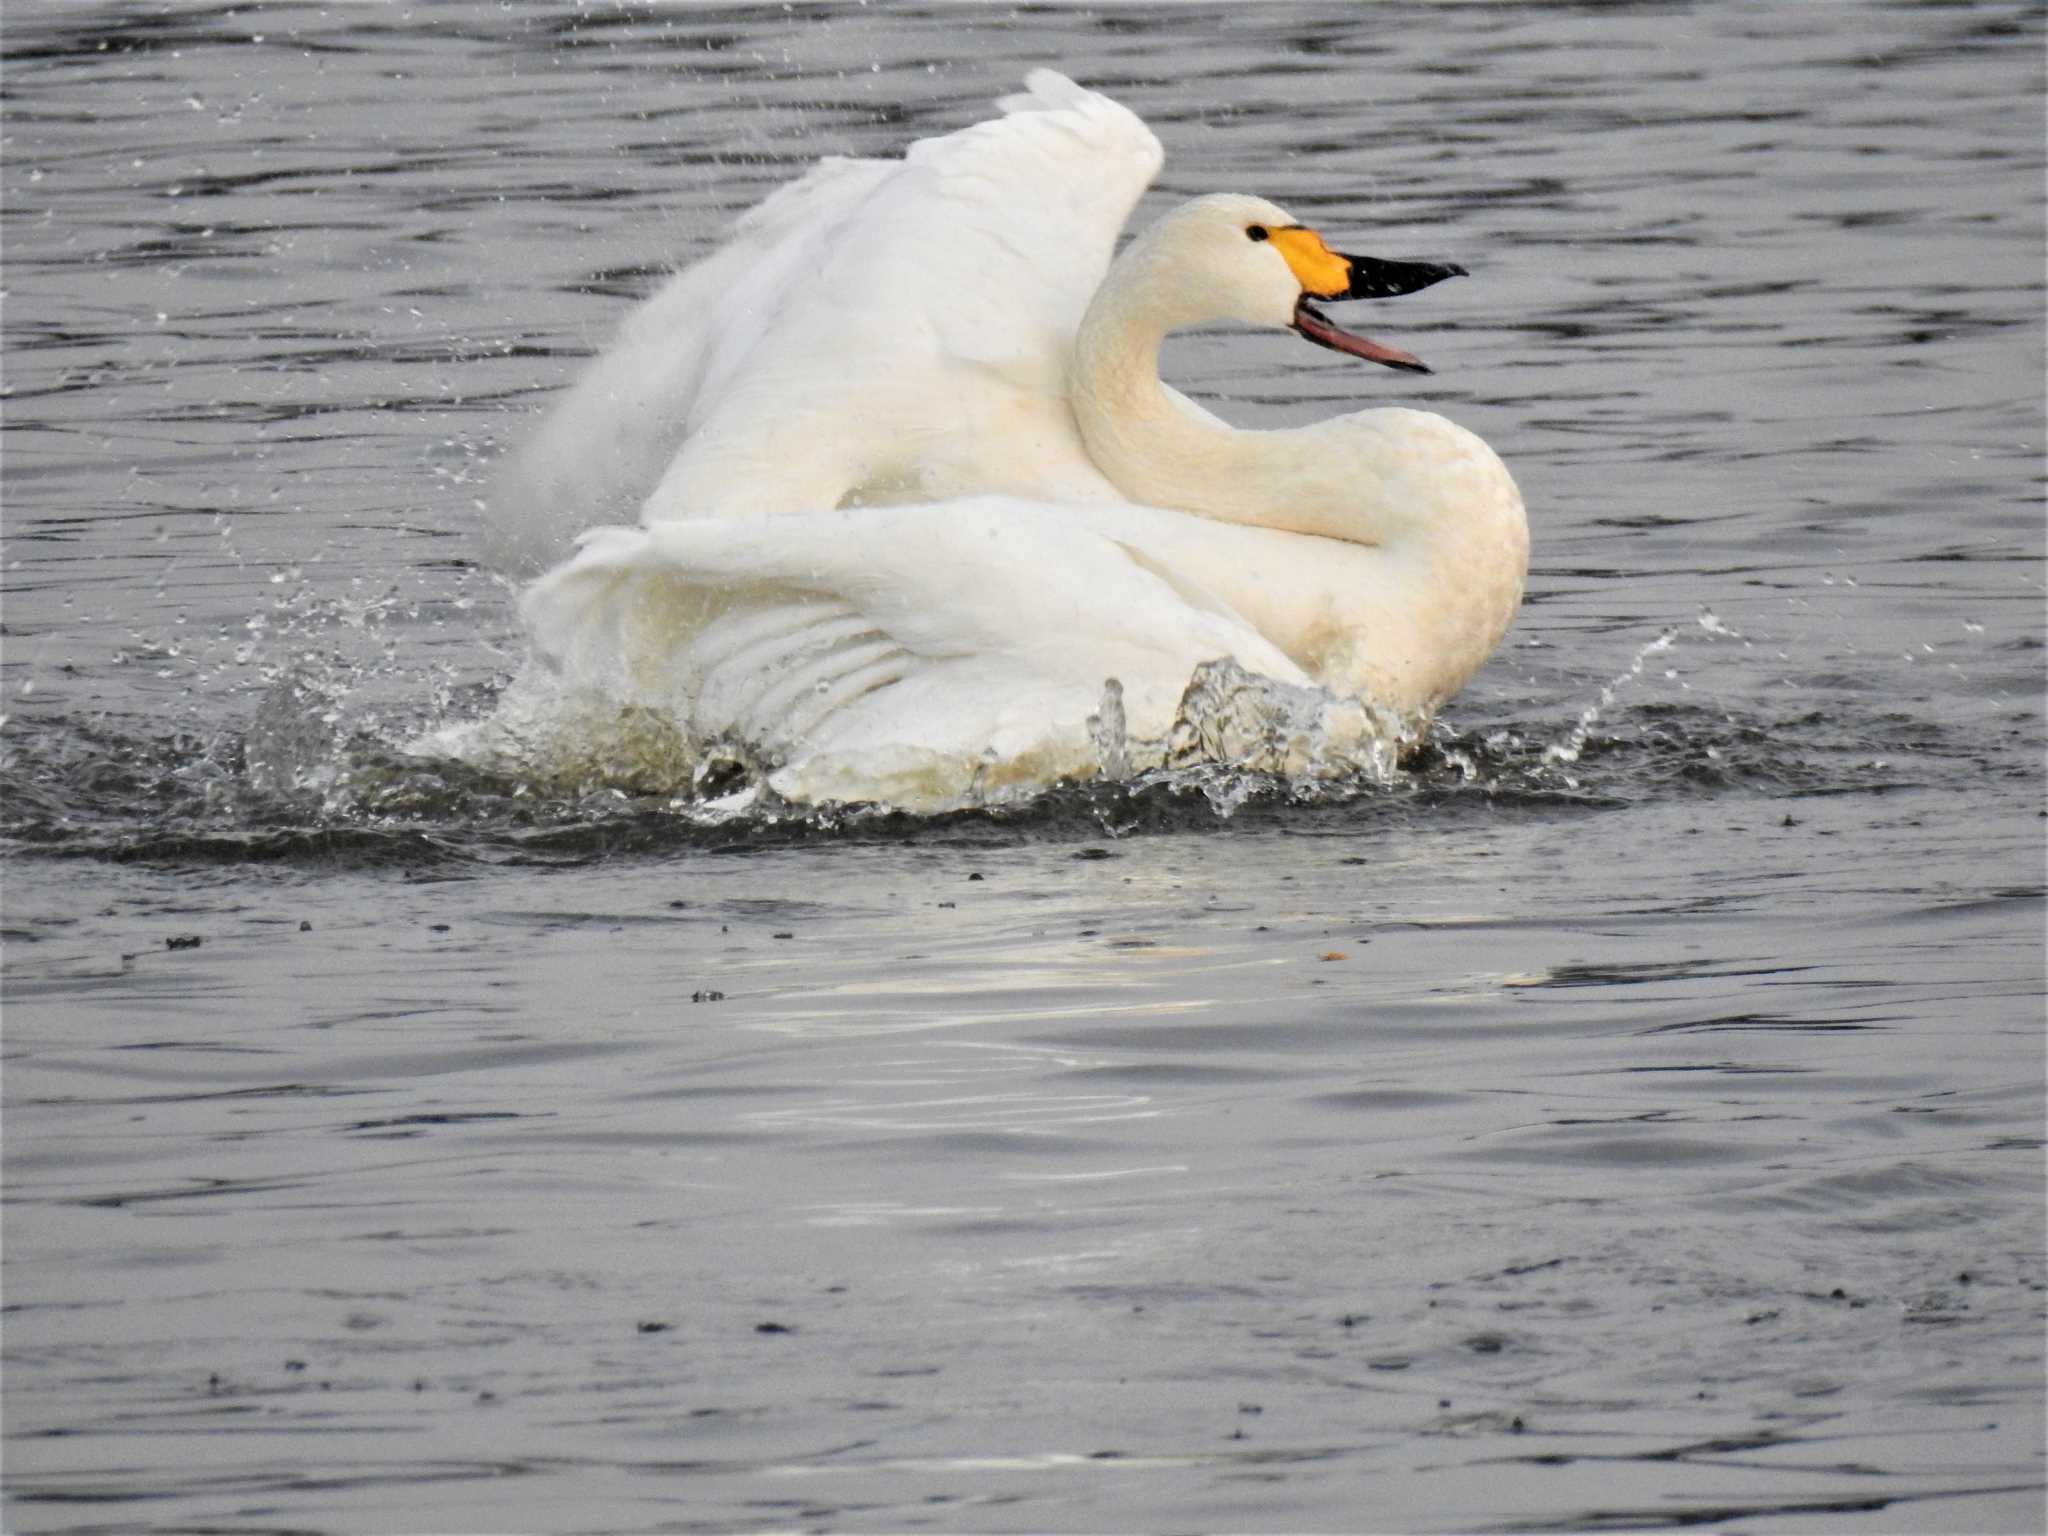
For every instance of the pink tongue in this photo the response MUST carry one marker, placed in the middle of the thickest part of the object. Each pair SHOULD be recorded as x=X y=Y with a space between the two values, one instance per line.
x=1317 y=329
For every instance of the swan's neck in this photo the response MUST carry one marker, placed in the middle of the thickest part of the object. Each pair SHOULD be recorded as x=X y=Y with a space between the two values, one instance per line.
x=1150 y=441
x=1441 y=543
x=1161 y=449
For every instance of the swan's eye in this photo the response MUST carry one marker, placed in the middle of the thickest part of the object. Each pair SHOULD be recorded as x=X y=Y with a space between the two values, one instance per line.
x=1255 y=232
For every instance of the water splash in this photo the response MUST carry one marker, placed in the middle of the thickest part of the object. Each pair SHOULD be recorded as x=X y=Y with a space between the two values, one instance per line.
x=1109 y=731
x=1712 y=624
x=564 y=737
x=351 y=732
x=1573 y=743
x=293 y=744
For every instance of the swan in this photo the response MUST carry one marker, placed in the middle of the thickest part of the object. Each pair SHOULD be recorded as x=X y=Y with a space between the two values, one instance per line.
x=926 y=615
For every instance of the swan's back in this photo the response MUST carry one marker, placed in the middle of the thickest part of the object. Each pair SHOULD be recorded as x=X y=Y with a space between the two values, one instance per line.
x=874 y=324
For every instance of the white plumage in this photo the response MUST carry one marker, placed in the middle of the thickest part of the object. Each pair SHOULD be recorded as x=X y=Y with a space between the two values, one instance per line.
x=883 y=330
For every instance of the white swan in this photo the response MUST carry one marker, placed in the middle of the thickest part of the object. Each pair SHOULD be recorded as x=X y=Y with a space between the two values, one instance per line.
x=924 y=653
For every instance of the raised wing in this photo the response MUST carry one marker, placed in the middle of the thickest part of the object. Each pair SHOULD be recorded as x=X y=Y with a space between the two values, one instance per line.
x=604 y=443
x=878 y=330
x=921 y=352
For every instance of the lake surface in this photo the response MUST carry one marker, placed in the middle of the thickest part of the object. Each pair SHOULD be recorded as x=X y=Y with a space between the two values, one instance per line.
x=1631 y=1117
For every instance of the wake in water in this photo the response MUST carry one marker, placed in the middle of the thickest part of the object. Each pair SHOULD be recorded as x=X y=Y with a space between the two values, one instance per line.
x=324 y=765
x=552 y=730
x=389 y=730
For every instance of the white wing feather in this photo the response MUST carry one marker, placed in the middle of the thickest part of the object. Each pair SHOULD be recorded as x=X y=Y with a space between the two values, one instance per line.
x=878 y=330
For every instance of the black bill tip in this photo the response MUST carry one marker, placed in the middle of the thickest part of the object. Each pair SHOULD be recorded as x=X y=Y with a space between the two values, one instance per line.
x=1372 y=278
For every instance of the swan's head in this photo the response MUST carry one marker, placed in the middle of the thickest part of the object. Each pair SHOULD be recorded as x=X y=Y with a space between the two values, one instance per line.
x=1243 y=258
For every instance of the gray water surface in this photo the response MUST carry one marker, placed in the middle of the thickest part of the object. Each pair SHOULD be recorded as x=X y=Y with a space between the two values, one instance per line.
x=1630 y=1118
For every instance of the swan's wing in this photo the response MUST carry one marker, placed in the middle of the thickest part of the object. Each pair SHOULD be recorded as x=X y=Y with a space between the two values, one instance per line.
x=882 y=329
x=983 y=245
x=923 y=352
x=1023 y=213
x=606 y=440
x=955 y=635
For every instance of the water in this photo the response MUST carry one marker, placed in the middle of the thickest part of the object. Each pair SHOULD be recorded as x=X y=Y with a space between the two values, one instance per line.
x=1630 y=1116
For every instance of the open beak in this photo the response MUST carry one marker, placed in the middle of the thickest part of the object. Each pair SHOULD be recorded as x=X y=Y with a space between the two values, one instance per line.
x=1367 y=277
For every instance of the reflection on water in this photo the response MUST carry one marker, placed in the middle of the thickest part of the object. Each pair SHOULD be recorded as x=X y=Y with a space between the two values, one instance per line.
x=1627 y=1114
